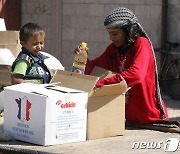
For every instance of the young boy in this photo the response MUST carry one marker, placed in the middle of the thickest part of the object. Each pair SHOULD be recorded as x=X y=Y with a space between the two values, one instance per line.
x=29 y=66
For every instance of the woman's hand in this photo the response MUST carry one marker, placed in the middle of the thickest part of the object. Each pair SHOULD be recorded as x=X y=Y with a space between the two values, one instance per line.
x=101 y=83
x=79 y=48
x=106 y=81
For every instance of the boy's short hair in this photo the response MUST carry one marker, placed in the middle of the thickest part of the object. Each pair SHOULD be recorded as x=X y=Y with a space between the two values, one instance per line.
x=28 y=30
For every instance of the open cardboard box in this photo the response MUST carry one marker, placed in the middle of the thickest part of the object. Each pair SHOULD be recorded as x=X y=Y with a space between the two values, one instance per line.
x=106 y=105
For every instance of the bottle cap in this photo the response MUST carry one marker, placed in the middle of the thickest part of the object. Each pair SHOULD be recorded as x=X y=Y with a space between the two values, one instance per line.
x=83 y=44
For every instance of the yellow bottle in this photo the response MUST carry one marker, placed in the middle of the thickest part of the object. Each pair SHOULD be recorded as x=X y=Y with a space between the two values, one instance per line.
x=80 y=60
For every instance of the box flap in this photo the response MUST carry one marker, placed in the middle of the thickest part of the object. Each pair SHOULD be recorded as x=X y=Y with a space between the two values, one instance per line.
x=113 y=89
x=98 y=71
x=101 y=72
x=41 y=89
x=24 y=87
x=62 y=89
x=74 y=80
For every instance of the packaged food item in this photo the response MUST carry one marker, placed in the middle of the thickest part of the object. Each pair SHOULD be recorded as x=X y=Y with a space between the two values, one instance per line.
x=80 y=60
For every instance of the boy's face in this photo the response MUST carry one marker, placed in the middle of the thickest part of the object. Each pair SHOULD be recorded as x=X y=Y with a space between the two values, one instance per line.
x=34 y=44
x=118 y=37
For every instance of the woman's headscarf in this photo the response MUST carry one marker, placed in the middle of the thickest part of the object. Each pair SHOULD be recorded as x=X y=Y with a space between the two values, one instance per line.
x=121 y=17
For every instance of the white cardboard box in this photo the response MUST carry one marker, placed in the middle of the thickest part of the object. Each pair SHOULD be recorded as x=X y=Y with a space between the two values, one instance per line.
x=45 y=115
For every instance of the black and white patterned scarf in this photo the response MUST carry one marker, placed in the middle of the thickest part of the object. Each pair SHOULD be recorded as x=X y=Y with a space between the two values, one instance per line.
x=121 y=17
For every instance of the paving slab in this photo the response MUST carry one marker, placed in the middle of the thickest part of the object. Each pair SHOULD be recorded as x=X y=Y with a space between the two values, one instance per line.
x=146 y=141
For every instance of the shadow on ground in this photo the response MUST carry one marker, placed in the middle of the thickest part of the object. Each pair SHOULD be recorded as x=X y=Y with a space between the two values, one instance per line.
x=170 y=103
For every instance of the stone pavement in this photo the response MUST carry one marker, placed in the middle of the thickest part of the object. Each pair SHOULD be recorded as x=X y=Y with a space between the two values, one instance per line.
x=112 y=145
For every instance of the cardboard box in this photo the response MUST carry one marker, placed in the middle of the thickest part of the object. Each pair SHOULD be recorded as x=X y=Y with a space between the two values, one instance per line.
x=10 y=40
x=5 y=75
x=106 y=105
x=45 y=114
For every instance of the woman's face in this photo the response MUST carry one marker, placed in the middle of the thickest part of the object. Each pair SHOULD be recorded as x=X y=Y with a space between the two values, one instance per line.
x=118 y=37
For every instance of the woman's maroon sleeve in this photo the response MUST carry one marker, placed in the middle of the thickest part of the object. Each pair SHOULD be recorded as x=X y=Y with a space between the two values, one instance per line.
x=137 y=71
x=101 y=61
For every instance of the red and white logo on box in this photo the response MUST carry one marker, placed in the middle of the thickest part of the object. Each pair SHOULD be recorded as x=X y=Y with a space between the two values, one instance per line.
x=66 y=104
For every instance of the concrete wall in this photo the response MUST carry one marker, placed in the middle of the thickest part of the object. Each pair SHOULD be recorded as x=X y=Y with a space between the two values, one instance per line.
x=48 y=14
x=174 y=21
x=69 y=22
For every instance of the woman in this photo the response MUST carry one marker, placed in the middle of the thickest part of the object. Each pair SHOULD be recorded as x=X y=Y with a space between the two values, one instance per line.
x=131 y=56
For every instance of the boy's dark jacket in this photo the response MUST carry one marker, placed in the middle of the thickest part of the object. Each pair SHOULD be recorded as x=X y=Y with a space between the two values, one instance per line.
x=37 y=69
